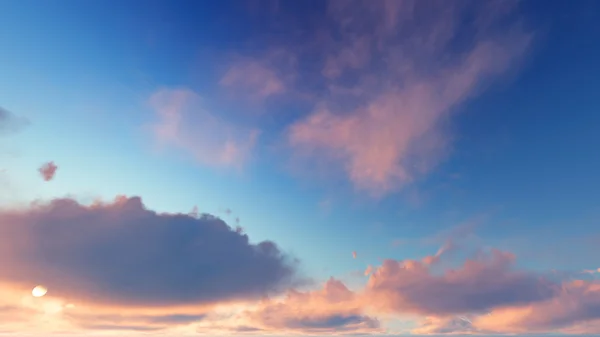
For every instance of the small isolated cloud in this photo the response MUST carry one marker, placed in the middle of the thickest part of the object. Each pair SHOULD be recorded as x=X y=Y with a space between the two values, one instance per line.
x=9 y=123
x=123 y=254
x=185 y=124
x=395 y=75
x=48 y=171
x=332 y=309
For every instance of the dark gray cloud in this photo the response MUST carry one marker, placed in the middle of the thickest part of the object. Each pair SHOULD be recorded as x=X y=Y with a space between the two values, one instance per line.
x=9 y=123
x=124 y=254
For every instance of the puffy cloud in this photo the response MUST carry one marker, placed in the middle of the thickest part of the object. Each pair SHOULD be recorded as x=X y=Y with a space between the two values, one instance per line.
x=485 y=295
x=332 y=309
x=9 y=123
x=48 y=170
x=185 y=124
x=396 y=71
x=123 y=254
x=575 y=309
x=479 y=285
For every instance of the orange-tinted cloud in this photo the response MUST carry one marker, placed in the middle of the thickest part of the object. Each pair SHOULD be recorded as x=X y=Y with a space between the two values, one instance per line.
x=54 y=316
x=185 y=123
x=385 y=126
x=124 y=254
x=332 y=309
x=48 y=171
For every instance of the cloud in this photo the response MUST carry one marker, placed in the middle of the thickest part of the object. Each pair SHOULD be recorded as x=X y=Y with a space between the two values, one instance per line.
x=575 y=309
x=9 y=123
x=123 y=254
x=256 y=79
x=332 y=309
x=253 y=80
x=52 y=316
x=48 y=170
x=481 y=284
x=116 y=322
x=396 y=70
x=184 y=123
x=445 y=325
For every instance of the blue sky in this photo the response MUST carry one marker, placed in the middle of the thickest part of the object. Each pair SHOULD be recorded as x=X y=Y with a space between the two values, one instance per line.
x=516 y=166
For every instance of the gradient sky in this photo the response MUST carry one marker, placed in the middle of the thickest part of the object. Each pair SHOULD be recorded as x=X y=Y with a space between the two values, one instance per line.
x=364 y=167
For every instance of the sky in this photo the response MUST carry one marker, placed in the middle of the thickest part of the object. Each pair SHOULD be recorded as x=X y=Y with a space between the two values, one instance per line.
x=299 y=168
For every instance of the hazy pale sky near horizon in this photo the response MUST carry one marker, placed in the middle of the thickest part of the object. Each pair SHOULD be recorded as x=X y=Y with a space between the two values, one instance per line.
x=299 y=167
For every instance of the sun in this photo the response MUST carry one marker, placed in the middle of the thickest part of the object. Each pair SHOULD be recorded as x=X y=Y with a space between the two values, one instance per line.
x=39 y=291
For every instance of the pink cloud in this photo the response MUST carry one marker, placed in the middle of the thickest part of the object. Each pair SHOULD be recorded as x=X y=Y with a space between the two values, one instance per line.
x=479 y=285
x=354 y=56
x=48 y=170
x=253 y=79
x=575 y=309
x=256 y=79
x=332 y=309
x=184 y=123
x=406 y=82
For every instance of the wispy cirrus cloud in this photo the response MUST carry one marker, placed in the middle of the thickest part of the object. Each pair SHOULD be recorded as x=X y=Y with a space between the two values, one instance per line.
x=184 y=123
x=253 y=79
x=257 y=79
x=396 y=71
x=375 y=85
